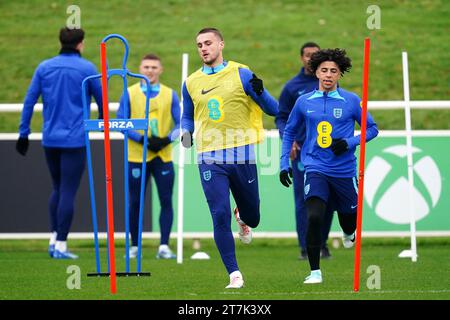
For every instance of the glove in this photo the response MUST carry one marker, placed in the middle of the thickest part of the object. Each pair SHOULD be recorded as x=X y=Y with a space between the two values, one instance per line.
x=284 y=177
x=186 y=139
x=156 y=143
x=257 y=85
x=22 y=145
x=339 y=146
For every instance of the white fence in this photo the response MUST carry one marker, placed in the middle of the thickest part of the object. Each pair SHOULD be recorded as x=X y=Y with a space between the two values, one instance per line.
x=373 y=105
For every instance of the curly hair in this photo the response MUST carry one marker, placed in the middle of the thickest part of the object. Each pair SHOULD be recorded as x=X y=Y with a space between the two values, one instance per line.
x=336 y=55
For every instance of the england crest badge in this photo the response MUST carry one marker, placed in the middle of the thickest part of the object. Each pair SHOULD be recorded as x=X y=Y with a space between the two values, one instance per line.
x=207 y=175
x=337 y=112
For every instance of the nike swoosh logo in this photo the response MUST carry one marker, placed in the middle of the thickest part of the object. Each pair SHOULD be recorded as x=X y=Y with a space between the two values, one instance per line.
x=353 y=207
x=301 y=92
x=310 y=111
x=206 y=91
x=165 y=172
x=250 y=181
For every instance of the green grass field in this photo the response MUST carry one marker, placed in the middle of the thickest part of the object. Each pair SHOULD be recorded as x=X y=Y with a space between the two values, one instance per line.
x=264 y=34
x=270 y=267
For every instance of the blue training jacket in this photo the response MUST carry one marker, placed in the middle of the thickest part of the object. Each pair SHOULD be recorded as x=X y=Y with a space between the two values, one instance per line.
x=300 y=84
x=59 y=80
x=339 y=108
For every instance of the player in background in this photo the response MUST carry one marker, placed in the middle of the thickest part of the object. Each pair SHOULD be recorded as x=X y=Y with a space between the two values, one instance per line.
x=329 y=114
x=224 y=101
x=58 y=80
x=305 y=81
x=164 y=119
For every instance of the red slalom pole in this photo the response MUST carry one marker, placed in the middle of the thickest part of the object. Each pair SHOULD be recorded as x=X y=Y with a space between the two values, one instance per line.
x=362 y=158
x=109 y=190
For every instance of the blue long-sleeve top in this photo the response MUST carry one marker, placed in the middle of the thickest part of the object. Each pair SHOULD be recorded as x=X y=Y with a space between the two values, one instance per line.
x=59 y=81
x=154 y=91
x=340 y=108
x=265 y=101
x=301 y=84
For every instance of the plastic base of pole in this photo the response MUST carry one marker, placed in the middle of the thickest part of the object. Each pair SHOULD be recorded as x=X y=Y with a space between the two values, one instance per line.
x=120 y=274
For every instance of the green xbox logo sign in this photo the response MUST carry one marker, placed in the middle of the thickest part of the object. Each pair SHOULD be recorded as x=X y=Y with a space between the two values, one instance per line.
x=386 y=189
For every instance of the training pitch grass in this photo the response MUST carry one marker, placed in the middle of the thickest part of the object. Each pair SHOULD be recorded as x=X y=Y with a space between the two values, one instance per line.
x=264 y=34
x=270 y=267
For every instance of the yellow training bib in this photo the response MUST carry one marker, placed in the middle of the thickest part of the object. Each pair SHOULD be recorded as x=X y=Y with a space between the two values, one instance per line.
x=160 y=121
x=224 y=115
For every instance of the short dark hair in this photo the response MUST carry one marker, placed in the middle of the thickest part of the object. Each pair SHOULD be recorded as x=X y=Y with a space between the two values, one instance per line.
x=151 y=56
x=211 y=30
x=70 y=38
x=308 y=45
x=337 y=55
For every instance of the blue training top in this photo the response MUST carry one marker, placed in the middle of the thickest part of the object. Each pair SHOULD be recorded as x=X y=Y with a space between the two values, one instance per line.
x=59 y=80
x=300 y=84
x=237 y=154
x=340 y=108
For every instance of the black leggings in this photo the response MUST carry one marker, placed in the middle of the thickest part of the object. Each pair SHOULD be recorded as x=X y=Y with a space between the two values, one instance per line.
x=316 y=209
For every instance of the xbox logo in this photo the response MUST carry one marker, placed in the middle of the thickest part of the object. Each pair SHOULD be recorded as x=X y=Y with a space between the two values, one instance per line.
x=386 y=190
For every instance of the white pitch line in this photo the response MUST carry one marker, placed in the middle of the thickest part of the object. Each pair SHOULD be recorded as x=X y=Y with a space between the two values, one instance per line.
x=209 y=235
x=336 y=292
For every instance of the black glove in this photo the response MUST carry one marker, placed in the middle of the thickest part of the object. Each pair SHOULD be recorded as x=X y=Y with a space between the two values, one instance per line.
x=22 y=145
x=284 y=177
x=156 y=143
x=186 y=139
x=339 y=146
x=257 y=85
